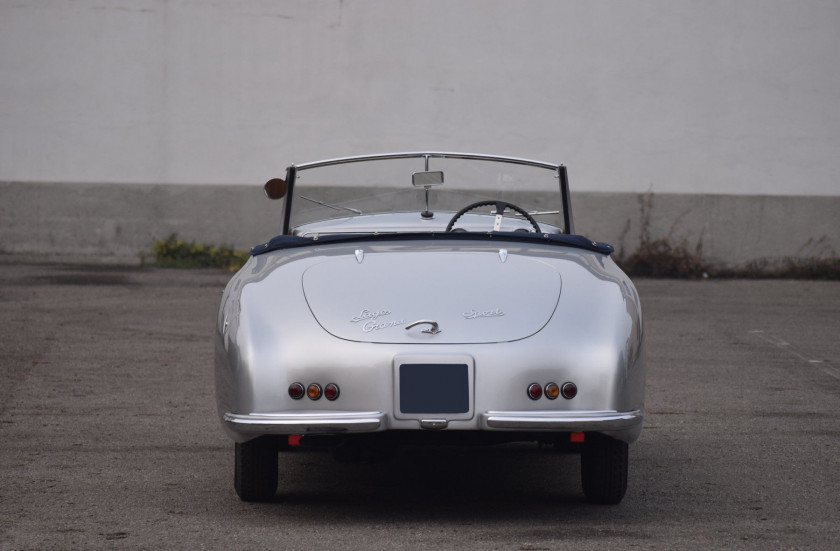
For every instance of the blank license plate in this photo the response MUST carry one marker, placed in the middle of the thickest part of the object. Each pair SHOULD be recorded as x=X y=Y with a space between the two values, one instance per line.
x=434 y=388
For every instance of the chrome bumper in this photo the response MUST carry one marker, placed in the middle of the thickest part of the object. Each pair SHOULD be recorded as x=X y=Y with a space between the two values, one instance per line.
x=575 y=421
x=303 y=423
x=373 y=421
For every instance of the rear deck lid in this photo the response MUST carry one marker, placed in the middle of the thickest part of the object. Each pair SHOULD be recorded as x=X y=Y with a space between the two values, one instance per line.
x=473 y=297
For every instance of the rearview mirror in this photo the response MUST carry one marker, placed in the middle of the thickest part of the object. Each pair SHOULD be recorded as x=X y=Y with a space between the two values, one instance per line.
x=275 y=188
x=426 y=179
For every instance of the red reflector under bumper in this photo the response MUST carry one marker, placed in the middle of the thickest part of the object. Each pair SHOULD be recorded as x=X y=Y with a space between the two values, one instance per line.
x=576 y=437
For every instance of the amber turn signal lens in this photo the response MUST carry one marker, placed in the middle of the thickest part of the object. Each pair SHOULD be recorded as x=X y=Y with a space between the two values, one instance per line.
x=313 y=391
x=534 y=391
x=331 y=392
x=569 y=390
x=296 y=391
x=552 y=391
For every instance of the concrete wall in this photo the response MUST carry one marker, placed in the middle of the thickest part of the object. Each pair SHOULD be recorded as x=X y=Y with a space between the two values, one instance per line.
x=679 y=97
x=712 y=96
x=103 y=223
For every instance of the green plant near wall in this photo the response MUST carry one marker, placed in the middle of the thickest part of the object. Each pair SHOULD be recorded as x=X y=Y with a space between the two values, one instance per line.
x=177 y=253
x=662 y=259
x=667 y=258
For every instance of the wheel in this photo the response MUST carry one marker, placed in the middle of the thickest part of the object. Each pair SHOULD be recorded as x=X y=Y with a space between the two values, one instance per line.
x=603 y=468
x=501 y=207
x=255 y=477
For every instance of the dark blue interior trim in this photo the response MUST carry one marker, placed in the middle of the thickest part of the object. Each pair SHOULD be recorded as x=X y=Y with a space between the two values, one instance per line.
x=295 y=241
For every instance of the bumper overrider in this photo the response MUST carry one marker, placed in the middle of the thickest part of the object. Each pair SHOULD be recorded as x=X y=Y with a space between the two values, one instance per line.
x=374 y=421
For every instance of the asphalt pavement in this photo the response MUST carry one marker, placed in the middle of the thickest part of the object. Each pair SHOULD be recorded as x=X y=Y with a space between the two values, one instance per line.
x=110 y=438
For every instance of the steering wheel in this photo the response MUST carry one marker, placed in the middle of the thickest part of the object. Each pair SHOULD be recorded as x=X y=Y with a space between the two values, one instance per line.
x=501 y=207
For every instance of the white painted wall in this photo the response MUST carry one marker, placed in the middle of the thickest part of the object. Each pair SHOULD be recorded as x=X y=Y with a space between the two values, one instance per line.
x=718 y=96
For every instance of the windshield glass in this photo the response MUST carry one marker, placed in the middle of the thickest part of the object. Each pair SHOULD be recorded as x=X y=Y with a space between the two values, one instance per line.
x=358 y=189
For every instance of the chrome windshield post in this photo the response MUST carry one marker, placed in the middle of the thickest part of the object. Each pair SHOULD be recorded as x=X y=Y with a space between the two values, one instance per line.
x=291 y=174
x=567 y=201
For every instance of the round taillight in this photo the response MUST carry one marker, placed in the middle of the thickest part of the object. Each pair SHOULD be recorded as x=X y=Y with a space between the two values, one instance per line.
x=568 y=390
x=552 y=391
x=313 y=391
x=296 y=391
x=331 y=392
x=534 y=391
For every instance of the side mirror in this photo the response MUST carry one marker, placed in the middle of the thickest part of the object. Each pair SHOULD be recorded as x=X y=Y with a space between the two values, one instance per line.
x=426 y=179
x=275 y=188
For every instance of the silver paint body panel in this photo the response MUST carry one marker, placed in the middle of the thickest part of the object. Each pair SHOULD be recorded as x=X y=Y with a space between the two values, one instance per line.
x=267 y=338
x=501 y=302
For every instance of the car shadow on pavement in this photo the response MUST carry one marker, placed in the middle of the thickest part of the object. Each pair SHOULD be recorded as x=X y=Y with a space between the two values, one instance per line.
x=450 y=484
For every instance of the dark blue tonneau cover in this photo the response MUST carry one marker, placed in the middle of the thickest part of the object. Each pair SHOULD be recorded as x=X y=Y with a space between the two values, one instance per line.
x=563 y=240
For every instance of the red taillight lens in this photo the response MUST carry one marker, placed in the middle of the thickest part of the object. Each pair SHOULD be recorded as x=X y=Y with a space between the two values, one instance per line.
x=568 y=390
x=313 y=391
x=534 y=391
x=296 y=391
x=331 y=392
x=552 y=391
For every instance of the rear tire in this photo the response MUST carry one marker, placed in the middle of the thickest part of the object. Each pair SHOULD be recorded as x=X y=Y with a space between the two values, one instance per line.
x=603 y=467
x=255 y=477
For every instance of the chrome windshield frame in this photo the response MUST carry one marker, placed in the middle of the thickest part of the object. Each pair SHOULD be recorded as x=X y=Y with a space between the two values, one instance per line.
x=430 y=155
x=559 y=169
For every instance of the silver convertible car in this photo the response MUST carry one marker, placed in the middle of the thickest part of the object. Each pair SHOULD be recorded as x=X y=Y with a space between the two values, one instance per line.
x=429 y=299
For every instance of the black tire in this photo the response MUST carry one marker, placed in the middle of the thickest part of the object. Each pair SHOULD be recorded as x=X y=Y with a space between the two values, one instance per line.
x=255 y=477
x=603 y=468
